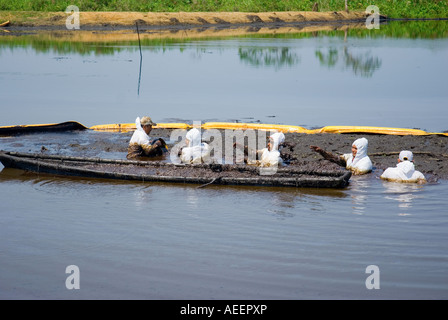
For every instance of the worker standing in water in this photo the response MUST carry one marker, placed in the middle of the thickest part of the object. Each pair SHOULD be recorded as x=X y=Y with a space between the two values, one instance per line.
x=404 y=171
x=357 y=161
x=140 y=144
x=265 y=157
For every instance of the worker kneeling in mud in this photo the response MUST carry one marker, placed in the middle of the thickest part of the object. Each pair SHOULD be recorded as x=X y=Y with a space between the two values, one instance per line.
x=266 y=157
x=358 y=161
x=140 y=144
x=195 y=150
x=404 y=171
x=270 y=156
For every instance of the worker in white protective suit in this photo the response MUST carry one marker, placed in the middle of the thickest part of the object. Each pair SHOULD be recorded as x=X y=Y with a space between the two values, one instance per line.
x=140 y=144
x=195 y=151
x=270 y=156
x=266 y=157
x=404 y=171
x=357 y=161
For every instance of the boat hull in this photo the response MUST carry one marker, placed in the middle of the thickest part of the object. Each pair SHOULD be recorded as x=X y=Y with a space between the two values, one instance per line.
x=155 y=171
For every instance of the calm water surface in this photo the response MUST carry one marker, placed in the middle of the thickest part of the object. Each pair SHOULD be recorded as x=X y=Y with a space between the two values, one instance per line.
x=159 y=241
x=297 y=79
x=165 y=241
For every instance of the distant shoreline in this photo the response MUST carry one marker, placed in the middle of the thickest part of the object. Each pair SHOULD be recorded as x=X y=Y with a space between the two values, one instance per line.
x=39 y=19
x=106 y=20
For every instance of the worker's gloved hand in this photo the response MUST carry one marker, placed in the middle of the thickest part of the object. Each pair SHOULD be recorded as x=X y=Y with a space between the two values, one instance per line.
x=160 y=143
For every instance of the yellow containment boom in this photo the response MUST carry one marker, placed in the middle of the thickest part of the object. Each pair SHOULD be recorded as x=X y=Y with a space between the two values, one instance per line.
x=372 y=130
x=254 y=126
x=125 y=127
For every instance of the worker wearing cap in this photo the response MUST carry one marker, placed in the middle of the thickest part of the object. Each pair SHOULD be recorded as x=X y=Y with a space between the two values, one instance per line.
x=140 y=144
x=404 y=171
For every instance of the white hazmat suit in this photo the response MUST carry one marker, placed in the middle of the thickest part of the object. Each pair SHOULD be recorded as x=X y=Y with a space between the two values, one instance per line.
x=272 y=157
x=195 y=151
x=361 y=163
x=139 y=137
x=404 y=171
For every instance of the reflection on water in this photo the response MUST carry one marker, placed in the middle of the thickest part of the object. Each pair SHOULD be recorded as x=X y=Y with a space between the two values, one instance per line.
x=110 y=42
x=362 y=64
x=142 y=197
x=101 y=78
x=403 y=193
x=402 y=196
x=328 y=59
x=359 y=193
x=175 y=241
x=269 y=57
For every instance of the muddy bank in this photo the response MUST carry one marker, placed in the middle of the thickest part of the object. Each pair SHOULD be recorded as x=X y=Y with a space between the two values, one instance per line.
x=430 y=152
x=173 y=19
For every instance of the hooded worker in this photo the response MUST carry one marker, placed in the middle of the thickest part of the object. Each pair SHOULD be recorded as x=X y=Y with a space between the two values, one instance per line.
x=404 y=171
x=195 y=151
x=270 y=156
x=276 y=140
x=357 y=161
x=140 y=144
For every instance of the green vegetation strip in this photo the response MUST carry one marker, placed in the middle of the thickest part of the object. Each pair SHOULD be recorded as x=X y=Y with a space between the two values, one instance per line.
x=410 y=9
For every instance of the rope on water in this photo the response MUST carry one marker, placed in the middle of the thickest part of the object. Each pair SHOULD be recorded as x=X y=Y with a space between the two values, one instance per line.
x=208 y=183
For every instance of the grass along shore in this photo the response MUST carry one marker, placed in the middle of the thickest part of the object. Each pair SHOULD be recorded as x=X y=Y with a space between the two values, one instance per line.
x=411 y=9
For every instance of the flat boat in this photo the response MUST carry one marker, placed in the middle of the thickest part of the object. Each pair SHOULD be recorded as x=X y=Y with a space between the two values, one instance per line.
x=160 y=171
